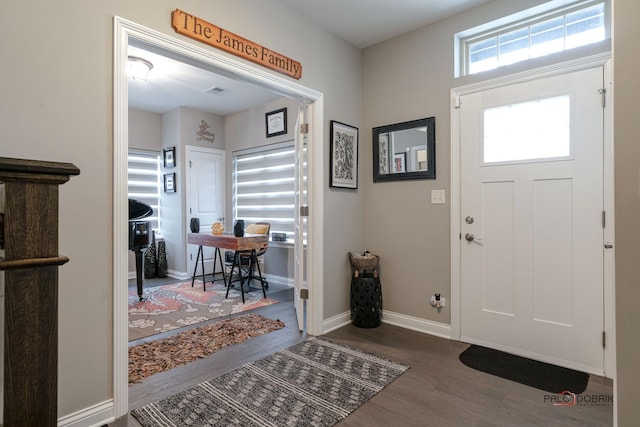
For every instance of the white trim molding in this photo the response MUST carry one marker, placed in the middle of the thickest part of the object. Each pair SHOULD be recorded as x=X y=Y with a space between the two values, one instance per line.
x=417 y=324
x=96 y=415
x=126 y=32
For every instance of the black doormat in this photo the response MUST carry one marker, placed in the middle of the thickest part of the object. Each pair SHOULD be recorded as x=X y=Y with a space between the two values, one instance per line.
x=543 y=376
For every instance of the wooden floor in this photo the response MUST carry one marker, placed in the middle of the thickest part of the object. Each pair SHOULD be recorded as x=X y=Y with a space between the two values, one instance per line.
x=438 y=390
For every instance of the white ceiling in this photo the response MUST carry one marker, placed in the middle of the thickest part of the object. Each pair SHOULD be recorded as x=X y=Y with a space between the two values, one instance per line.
x=366 y=22
x=173 y=84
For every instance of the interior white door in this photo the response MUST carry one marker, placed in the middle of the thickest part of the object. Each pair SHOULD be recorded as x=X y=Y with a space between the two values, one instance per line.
x=531 y=219
x=206 y=198
x=303 y=126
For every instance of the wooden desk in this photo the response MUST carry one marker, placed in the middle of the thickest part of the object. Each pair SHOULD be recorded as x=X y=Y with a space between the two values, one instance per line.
x=229 y=241
x=249 y=242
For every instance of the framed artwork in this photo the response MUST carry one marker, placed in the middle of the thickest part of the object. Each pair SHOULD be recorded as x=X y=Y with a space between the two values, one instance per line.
x=399 y=162
x=344 y=155
x=169 y=157
x=383 y=158
x=170 y=182
x=276 y=122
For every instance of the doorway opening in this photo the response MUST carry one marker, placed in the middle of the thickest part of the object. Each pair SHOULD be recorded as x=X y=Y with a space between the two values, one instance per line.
x=128 y=33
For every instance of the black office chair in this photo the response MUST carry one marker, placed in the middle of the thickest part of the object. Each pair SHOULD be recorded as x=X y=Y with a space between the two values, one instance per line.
x=246 y=263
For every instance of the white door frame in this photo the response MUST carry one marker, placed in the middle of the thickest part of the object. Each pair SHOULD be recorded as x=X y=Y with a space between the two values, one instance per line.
x=126 y=31
x=601 y=60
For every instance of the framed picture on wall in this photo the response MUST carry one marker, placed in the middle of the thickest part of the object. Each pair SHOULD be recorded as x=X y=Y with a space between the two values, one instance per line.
x=344 y=155
x=170 y=182
x=169 y=157
x=276 y=122
x=399 y=162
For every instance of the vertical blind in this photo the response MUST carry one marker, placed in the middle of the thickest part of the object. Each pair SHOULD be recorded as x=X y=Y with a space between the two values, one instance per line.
x=263 y=186
x=144 y=182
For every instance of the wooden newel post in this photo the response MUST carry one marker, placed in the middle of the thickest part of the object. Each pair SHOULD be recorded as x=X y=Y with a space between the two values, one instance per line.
x=30 y=263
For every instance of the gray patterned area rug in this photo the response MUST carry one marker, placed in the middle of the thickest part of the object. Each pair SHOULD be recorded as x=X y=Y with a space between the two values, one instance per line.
x=314 y=383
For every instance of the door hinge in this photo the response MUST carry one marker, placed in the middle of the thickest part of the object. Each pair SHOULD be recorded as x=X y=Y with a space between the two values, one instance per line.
x=189 y=210
x=304 y=128
x=304 y=210
x=604 y=219
x=457 y=103
x=603 y=93
x=604 y=339
x=304 y=293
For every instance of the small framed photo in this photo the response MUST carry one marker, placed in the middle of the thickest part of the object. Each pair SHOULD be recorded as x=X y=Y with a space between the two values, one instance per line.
x=170 y=182
x=399 y=162
x=169 y=157
x=344 y=156
x=276 y=122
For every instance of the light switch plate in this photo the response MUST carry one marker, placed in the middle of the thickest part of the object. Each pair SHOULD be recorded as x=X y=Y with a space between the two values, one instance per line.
x=438 y=197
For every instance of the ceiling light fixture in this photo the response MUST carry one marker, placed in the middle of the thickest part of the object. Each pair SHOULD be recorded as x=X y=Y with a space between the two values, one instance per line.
x=138 y=68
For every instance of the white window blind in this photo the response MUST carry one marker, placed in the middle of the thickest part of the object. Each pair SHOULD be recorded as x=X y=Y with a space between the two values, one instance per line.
x=144 y=182
x=263 y=186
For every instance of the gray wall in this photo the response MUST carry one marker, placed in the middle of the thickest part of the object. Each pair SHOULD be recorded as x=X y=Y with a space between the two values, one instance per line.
x=407 y=78
x=58 y=108
x=627 y=194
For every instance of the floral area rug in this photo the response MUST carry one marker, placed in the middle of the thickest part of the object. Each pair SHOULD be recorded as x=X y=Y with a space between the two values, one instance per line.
x=184 y=347
x=174 y=306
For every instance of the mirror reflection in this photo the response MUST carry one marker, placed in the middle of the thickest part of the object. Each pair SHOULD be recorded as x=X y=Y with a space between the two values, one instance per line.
x=404 y=150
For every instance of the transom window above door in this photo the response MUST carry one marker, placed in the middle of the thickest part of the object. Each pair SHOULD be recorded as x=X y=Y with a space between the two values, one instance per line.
x=532 y=34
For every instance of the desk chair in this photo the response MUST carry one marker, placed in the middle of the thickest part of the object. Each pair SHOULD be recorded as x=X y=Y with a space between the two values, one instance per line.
x=247 y=262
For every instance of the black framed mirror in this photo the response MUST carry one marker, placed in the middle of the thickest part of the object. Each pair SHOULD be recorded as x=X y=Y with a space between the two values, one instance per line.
x=405 y=150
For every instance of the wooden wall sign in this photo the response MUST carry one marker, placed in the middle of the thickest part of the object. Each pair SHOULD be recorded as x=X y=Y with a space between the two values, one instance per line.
x=205 y=32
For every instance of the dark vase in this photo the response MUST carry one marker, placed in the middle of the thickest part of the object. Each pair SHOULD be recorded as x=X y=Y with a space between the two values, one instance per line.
x=238 y=228
x=162 y=259
x=195 y=225
x=150 y=258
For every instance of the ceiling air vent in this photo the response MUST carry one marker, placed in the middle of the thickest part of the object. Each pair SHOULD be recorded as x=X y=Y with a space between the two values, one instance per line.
x=216 y=90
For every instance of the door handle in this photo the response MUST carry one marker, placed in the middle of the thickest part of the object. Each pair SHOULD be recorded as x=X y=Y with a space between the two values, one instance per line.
x=470 y=238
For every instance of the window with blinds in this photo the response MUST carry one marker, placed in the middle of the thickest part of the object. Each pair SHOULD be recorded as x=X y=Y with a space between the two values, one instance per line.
x=144 y=182
x=263 y=186
x=577 y=24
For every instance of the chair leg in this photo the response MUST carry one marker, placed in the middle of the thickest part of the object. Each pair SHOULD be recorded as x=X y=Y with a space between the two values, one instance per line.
x=254 y=258
x=236 y=261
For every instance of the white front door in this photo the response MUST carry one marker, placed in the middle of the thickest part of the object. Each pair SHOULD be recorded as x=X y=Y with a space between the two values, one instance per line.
x=531 y=219
x=205 y=198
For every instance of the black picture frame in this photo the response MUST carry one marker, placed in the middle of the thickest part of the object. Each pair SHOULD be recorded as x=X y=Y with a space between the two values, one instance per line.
x=276 y=122
x=416 y=161
x=170 y=182
x=169 y=157
x=343 y=155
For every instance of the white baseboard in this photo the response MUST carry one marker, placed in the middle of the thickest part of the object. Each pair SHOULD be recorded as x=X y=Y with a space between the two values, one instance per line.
x=96 y=415
x=430 y=327
x=281 y=280
x=180 y=275
x=336 y=322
